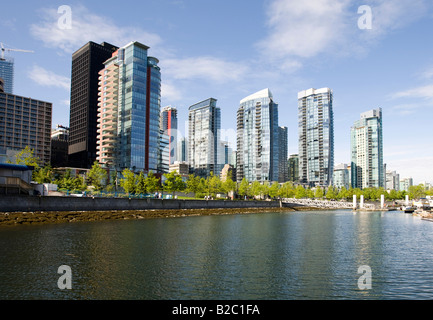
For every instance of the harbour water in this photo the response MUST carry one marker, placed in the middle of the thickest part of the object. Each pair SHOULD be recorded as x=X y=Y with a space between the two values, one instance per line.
x=272 y=256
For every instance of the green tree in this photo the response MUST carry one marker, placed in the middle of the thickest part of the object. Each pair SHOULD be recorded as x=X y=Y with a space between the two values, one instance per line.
x=140 y=186
x=214 y=184
x=97 y=176
x=342 y=194
x=265 y=190
x=331 y=193
x=128 y=182
x=203 y=188
x=416 y=192
x=274 y=189
x=228 y=185
x=26 y=157
x=300 y=192
x=319 y=193
x=152 y=183
x=393 y=195
x=244 y=188
x=44 y=174
x=256 y=189
x=173 y=182
x=79 y=183
x=287 y=190
x=192 y=183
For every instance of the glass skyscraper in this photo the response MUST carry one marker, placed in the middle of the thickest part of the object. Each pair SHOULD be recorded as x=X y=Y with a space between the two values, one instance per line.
x=129 y=108
x=7 y=74
x=367 y=168
x=316 y=137
x=204 y=122
x=168 y=123
x=258 y=138
x=283 y=155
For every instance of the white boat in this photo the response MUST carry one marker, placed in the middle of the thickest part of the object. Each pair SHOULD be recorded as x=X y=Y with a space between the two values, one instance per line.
x=422 y=204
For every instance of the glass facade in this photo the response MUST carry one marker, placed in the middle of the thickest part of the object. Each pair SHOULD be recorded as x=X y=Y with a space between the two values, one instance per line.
x=293 y=174
x=283 y=154
x=204 y=121
x=168 y=123
x=7 y=74
x=367 y=169
x=316 y=137
x=130 y=99
x=153 y=113
x=258 y=138
x=341 y=176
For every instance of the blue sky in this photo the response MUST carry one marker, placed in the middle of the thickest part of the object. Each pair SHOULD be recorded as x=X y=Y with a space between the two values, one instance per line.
x=230 y=49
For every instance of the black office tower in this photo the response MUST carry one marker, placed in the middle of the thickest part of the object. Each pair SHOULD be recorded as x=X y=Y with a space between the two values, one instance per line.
x=86 y=63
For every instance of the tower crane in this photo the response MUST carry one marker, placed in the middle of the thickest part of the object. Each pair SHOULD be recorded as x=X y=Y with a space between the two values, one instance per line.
x=3 y=50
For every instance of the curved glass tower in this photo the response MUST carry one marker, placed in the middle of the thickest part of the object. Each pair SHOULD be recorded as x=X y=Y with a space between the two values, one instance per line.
x=257 y=138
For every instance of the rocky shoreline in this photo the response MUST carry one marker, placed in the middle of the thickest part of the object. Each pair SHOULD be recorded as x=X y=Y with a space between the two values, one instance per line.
x=54 y=217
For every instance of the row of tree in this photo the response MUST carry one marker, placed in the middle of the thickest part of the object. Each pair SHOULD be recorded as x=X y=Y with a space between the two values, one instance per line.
x=140 y=183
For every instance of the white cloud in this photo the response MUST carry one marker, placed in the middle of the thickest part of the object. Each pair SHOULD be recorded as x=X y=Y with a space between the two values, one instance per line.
x=204 y=68
x=304 y=28
x=423 y=92
x=86 y=27
x=300 y=30
x=427 y=74
x=391 y=15
x=48 y=78
x=405 y=109
x=170 y=92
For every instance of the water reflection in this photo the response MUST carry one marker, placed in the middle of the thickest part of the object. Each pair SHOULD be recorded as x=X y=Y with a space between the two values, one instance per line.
x=314 y=255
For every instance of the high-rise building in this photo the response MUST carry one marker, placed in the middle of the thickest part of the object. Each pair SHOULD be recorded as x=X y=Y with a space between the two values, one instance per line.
x=26 y=122
x=341 y=176
x=168 y=123
x=182 y=150
x=86 y=64
x=392 y=180
x=283 y=154
x=2 y=85
x=59 y=146
x=7 y=74
x=405 y=184
x=163 y=165
x=204 y=125
x=293 y=174
x=367 y=151
x=258 y=138
x=129 y=110
x=316 y=137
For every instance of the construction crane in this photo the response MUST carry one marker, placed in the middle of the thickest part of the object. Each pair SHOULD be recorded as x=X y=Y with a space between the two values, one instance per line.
x=3 y=50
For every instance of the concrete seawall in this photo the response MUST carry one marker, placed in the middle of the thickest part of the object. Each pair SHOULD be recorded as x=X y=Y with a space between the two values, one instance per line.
x=35 y=204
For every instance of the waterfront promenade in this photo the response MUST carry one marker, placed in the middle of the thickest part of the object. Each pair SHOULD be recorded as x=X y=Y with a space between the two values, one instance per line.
x=41 y=209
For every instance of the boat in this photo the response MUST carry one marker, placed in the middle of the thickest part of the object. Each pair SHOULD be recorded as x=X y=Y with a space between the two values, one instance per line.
x=409 y=209
x=422 y=204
